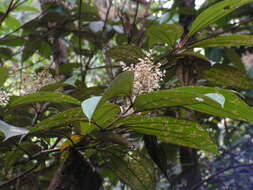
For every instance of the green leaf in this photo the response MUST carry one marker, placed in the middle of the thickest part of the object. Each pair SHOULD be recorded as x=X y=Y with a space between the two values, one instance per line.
x=224 y=41
x=61 y=119
x=234 y=107
x=71 y=81
x=135 y=170
x=214 y=13
x=171 y=130
x=45 y=50
x=165 y=33
x=30 y=48
x=5 y=53
x=122 y=85
x=105 y=114
x=224 y=76
x=11 y=131
x=235 y=59
x=27 y=8
x=169 y=98
x=126 y=53
x=43 y=97
x=3 y=75
x=12 y=41
x=89 y=106
x=52 y=87
x=12 y=22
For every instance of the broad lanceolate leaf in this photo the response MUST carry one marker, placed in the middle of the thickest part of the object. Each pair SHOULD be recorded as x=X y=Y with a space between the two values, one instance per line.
x=89 y=106
x=164 y=33
x=234 y=107
x=135 y=170
x=169 y=98
x=214 y=13
x=43 y=97
x=11 y=131
x=171 y=130
x=122 y=85
x=224 y=41
x=61 y=119
x=126 y=53
x=105 y=114
x=3 y=75
x=224 y=76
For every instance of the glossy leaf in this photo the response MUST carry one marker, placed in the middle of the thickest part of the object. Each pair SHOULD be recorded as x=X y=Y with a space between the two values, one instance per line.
x=169 y=98
x=224 y=41
x=234 y=107
x=11 y=131
x=43 y=97
x=214 y=13
x=171 y=130
x=61 y=119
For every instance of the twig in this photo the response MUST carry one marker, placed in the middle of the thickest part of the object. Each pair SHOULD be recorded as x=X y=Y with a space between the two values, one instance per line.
x=218 y=173
x=106 y=19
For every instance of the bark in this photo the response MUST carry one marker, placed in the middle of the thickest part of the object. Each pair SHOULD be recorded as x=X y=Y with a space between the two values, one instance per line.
x=75 y=174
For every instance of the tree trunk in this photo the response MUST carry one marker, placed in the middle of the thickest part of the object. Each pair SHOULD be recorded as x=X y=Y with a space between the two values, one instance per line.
x=75 y=174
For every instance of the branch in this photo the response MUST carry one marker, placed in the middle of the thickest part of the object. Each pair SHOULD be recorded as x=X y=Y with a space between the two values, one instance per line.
x=218 y=173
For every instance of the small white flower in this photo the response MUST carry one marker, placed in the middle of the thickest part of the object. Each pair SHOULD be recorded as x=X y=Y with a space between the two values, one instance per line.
x=32 y=84
x=147 y=75
x=4 y=98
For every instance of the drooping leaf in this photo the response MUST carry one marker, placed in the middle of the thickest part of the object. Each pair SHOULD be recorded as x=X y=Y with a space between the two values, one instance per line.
x=11 y=131
x=169 y=98
x=43 y=97
x=224 y=76
x=89 y=106
x=164 y=33
x=136 y=170
x=214 y=13
x=126 y=53
x=3 y=75
x=224 y=41
x=171 y=130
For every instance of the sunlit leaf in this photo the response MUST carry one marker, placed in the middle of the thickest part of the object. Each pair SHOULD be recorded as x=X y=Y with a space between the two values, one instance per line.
x=11 y=131
x=214 y=13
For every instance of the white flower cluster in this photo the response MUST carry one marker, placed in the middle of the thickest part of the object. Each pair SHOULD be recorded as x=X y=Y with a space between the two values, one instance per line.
x=32 y=84
x=247 y=59
x=4 y=98
x=147 y=75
